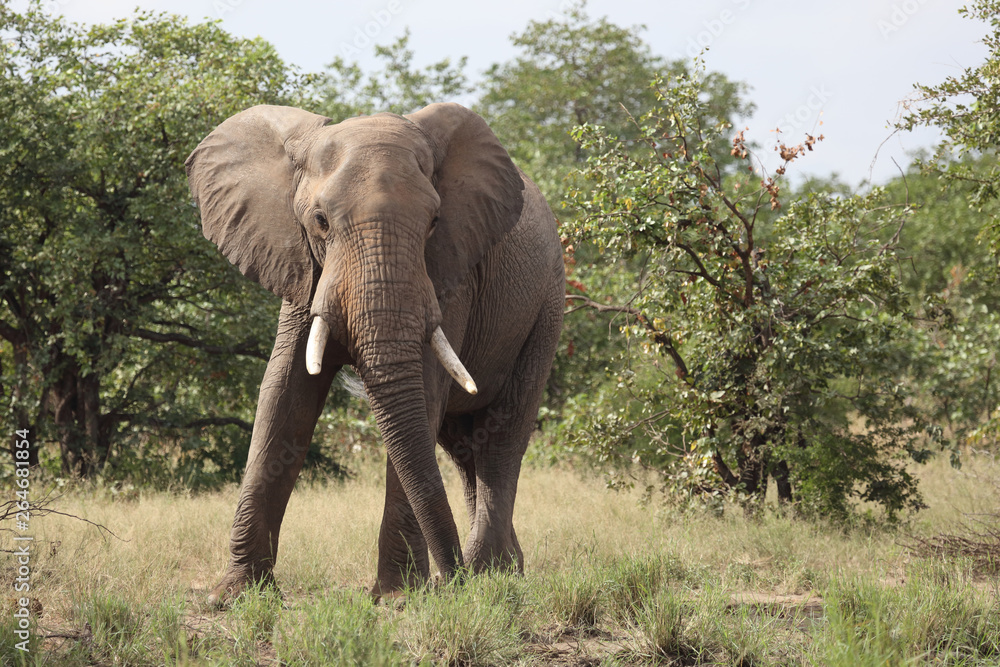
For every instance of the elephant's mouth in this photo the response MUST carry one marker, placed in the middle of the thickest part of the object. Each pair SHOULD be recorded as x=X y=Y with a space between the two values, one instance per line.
x=320 y=331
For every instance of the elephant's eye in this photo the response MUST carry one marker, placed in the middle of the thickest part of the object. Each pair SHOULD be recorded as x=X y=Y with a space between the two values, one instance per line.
x=322 y=221
x=434 y=224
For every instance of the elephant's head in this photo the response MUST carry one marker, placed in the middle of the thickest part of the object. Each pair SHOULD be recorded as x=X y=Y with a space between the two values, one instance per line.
x=371 y=221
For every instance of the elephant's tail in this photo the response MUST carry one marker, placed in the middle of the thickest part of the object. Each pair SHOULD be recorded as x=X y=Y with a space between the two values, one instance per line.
x=350 y=381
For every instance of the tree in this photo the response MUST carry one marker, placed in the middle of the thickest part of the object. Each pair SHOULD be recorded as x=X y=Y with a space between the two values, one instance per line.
x=343 y=90
x=950 y=274
x=573 y=70
x=761 y=340
x=958 y=355
x=121 y=324
x=965 y=109
x=577 y=70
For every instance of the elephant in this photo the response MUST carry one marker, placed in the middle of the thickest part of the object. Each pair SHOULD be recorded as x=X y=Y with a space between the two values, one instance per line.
x=412 y=249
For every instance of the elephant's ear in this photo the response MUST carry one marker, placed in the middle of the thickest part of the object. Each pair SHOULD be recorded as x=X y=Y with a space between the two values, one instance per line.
x=243 y=179
x=480 y=190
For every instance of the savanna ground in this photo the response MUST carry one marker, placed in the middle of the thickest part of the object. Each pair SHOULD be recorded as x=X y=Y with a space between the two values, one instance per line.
x=610 y=580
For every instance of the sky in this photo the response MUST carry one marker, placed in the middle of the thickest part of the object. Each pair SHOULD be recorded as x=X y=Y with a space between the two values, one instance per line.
x=841 y=69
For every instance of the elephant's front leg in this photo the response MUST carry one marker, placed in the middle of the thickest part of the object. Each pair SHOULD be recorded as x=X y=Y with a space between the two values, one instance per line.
x=288 y=407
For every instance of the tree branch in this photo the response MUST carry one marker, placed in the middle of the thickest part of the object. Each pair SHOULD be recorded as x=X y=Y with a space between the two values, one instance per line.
x=220 y=421
x=247 y=347
x=12 y=334
x=702 y=271
x=145 y=420
x=602 y=308
x=42 y=507
x=723 y=470
x=659 y=337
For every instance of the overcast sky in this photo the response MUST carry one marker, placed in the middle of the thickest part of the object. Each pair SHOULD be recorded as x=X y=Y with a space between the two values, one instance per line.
x=847 y=64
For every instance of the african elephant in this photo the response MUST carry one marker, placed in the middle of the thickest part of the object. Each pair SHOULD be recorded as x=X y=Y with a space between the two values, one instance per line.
x=410 y=248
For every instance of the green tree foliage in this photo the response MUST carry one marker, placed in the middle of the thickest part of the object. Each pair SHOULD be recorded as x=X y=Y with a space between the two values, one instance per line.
x=343 y=90
x=574 y=70
x=965 y=109
x=129 y=342
x=949 y=273
x=955 y=371
x=941 y=240
x=958 y=190
x=760 y=341
x=571 y=70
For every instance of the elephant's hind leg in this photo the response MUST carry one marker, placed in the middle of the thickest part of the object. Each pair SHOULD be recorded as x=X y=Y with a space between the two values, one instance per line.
x=456 y=437
x=492 y=543
x=500 y=435
x=402 y=550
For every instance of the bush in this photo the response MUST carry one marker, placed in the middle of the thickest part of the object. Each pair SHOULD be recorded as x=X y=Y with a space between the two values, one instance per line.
x=768 y=339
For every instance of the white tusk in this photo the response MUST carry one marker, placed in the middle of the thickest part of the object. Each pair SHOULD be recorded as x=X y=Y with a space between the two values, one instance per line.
x=318 y=334
x=446 y=355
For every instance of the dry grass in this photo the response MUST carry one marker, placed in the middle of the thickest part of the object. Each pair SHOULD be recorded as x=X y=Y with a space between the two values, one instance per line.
x=600 y=567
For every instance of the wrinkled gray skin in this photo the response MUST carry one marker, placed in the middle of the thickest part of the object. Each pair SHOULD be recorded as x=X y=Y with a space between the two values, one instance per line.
x=387 y=227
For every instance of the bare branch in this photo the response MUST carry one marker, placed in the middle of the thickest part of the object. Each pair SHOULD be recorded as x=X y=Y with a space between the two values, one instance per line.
x=42 y=507
x=658 y=337
x=702 y=270
x=247 y=347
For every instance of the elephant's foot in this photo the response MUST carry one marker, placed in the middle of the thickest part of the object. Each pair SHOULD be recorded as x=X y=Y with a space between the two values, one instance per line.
x=395 y=593
x=234 y=582
x=392 y=584
x=389 y=592
x=498 y=554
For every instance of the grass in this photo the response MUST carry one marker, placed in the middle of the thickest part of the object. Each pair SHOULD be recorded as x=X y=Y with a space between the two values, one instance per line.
x=480 y=623
x=338 y=628
x=609 y=581
x=922 y=621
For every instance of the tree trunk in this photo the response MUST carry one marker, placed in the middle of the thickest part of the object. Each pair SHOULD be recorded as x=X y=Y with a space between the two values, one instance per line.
x=751 y=465
x=76 y=412
x=22 y=420
x=89 y=387
x=63 y=414
x=783 y=482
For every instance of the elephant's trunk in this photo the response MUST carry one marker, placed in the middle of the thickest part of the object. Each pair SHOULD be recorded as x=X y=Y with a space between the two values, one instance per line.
x=393 y=373
x=386 y=316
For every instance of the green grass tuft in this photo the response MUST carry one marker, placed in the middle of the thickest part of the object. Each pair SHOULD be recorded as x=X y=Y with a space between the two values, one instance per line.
x=574 y=597
x=342 y=628
x=475 y=623
x=252 y=619
x=922 y=621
